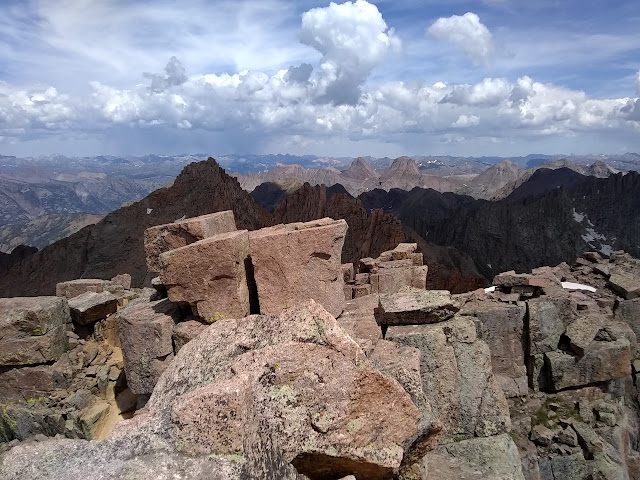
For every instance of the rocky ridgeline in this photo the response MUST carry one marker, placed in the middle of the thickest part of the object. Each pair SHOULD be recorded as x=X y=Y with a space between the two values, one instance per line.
x=261 y=356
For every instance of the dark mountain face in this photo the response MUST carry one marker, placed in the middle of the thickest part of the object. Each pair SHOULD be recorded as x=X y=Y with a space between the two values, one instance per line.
x=115 y=244
x=8 y=260
x=372 y=232
x=545 y=180
x=550 y=220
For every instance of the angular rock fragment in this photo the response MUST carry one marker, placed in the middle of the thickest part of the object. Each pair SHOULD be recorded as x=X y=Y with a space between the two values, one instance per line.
x=145 y=331
x=456 y=377
x=582 y=331
x=625 y=283
x=403 y=251
x=184 y=332
x=73 y=288
x=502 y=327
x=549 y=317
x=415 y=307
x=297 y=262
x=210 y=275
x=327 y=413
x=90 y=307
x=601 y=362
x=162 y=238
x=124 y=280
x=32 y=329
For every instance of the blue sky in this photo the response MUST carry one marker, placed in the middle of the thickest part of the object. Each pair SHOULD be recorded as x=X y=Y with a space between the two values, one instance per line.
x=492 y=77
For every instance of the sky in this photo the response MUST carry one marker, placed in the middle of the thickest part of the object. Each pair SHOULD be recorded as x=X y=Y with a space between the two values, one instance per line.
x=380 y=78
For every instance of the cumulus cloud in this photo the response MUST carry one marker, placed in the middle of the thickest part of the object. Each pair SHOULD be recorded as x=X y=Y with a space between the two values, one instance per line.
x=638 y=84
x=490 y=91
x=466 y=32
x=175 y=74
x=353 y=38
x=324 y=103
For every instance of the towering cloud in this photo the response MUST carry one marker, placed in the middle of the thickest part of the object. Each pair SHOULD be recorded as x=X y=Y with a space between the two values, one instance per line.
x=467 y=33
x=353 y=38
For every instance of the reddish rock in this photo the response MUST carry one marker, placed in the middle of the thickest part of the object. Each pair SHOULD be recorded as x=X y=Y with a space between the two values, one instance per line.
x=32 y=329
x=90 y=307
x=162 y=238
x=184 y=332
x=21 y=384
x=297 y=262
x=348 y=272
x=123 y=279
x=361 y=291
x=145 y=331
x=73 y=288
x=210 y=275
x=359 y=322
x=324 y=410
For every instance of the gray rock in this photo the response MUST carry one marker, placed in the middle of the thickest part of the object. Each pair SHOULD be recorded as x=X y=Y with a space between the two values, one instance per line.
x=456 y=377
x=32 y=329
x=625 y=283
x=89 y=307
x=491 y=458
x=582 y=331
x=549 y=317
x=541 y=435
x=414 y=307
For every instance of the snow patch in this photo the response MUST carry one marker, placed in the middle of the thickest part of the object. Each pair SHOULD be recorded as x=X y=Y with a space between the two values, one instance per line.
x=577 y=286
x=490 y=289
x=578 y=217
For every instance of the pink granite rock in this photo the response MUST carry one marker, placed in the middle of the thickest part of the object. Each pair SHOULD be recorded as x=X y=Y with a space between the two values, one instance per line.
x=297 y=262
x=210 y=275
x=184 y=332
x=73 y=288
x=324 y=410
x=162 y=238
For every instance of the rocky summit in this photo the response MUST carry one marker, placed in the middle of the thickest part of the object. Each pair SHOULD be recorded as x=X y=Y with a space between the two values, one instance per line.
x=260 y=355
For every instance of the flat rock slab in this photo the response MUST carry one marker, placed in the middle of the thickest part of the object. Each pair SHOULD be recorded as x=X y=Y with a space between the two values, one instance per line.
x=90 y=307
x=73 y=288
x=582 y=331
x=626 y=284
x=415 y=307
x=32 y=329
x=210 y=275
x=146 y=334
x=162 y=238
x=297 y=262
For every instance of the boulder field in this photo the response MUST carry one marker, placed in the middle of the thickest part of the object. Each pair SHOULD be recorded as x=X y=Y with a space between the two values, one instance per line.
x=258 y=355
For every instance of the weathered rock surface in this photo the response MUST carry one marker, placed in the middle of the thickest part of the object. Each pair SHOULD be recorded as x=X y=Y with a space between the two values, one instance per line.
x=73 y=288
x=89 y=307
x=146 y=331
x=456 y=377
x=327 y=413
x=186 y=331
x=415 y=307
x=210 y=275
x=492 y=458
x=162 y=238
x=501 y=326
x=32 y=329
x=297 y=262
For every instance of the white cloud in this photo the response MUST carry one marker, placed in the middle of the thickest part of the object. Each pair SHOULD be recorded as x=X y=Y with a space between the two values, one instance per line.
x=465 y=32
x=638 y=84
x=491 y=91
x=466 y=121
x=353 y=38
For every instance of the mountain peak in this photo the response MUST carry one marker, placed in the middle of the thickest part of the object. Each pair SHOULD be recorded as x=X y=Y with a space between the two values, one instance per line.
x=361 y=170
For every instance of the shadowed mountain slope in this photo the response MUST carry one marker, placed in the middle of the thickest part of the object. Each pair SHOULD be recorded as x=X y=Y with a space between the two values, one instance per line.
x=115 y=244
